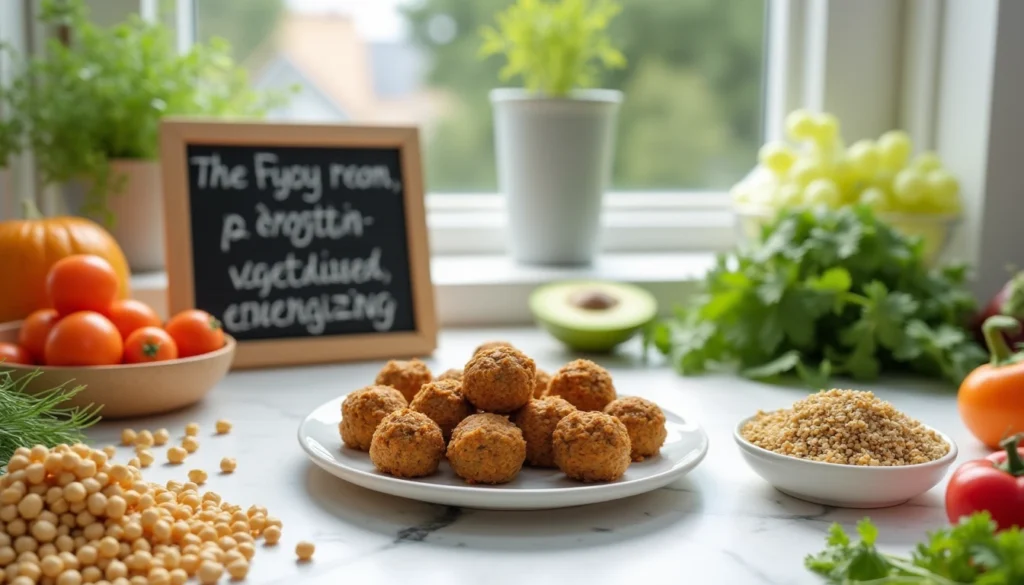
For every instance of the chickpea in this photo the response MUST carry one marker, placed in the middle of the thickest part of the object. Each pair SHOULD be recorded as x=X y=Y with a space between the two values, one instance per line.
x=51 y=565
x=91 y=574
x=159 y=576
x=69 y=577
x=238 y=569
x=144 y=439
x=304 y=550
x=178 y=577
x=128 y=437
x=192 y=429
x=198 y=476
x=176 y=455
x=134 y=462
x=223 y=426
x=210 y=572
x=145 y=458
x=191 y=444
x=272 y=534
x=30 y=506
x=228 y=465
x=110 y=451
x=161 y=436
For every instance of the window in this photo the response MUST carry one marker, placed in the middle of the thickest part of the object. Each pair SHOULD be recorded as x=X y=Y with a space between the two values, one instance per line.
x=691 y=120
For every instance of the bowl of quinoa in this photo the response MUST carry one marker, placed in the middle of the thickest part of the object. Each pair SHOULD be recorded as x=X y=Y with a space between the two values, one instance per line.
x=845 y=448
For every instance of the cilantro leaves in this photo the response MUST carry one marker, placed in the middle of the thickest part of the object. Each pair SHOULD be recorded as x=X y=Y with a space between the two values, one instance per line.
x=822 y=293
x=970 y=551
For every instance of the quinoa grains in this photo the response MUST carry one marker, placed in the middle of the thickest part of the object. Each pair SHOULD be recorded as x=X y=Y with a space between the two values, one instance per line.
x=84 y=519
x=847 y=427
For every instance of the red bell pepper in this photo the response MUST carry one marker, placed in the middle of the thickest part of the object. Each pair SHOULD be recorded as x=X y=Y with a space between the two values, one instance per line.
x=995 y=484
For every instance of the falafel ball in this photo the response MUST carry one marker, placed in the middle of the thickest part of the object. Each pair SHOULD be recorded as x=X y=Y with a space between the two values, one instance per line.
x=586 y=385
x=443 y=402
x=540 y=383
x=363 y=409
x=486 y=448
x=450 y=374
x=537 y=420
x=405 y=376
x=591 y=446
x=407 y=444
x=645 y=423
x=499 y=380
x=491 y=345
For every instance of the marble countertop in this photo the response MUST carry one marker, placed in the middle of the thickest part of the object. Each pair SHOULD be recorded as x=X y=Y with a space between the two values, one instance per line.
x=721 y=524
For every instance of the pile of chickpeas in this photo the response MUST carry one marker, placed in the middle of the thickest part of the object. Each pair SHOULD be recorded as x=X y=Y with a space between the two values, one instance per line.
x=69 y=515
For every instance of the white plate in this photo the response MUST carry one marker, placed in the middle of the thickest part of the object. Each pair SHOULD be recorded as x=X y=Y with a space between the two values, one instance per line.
x=532 y=489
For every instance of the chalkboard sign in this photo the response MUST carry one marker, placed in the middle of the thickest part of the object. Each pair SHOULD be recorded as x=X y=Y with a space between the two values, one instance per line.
x=308 y=242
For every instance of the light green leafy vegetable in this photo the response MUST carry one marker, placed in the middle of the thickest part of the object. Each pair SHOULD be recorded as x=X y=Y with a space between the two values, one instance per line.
x=555 y=46
x=970 y=552
x=41 y=418
x=823 y=293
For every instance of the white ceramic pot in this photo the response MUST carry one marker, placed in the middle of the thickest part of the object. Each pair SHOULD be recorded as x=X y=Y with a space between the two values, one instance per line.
x=138 y=212
x=554 y=159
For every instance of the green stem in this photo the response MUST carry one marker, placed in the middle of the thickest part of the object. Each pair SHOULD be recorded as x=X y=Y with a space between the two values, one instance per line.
x=31 y=211
x=1014 y=464
x=994 y=329
x=1013 y=303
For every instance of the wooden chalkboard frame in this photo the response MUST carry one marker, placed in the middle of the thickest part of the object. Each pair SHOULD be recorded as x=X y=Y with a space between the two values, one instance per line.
x=177 y=133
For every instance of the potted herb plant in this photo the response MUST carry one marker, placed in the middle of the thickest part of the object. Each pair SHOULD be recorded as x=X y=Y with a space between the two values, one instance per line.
x=555 y=136
x=90 y=111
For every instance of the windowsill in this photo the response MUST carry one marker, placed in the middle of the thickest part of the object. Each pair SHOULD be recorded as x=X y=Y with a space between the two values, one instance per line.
x=493 y=290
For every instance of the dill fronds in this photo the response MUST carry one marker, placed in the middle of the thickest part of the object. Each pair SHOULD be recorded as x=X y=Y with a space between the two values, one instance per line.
x=38 y=418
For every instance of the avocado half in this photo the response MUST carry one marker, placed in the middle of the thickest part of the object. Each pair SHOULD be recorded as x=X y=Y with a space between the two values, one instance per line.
x=592 y=316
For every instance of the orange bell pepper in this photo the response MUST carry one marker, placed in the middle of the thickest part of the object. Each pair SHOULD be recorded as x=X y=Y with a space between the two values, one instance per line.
x=991 y=398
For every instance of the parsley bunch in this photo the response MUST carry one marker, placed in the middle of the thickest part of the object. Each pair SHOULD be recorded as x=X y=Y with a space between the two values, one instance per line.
x=969 y=552
x=826 y=292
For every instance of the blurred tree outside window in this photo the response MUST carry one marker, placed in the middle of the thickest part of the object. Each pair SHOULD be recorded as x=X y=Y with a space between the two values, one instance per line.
x=690 y=120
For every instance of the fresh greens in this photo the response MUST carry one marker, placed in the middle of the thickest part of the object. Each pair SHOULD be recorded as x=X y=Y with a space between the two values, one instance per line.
x=555 y=45
x=102 y=95
x=969 y=552
x=39 y=419
x=826 y=292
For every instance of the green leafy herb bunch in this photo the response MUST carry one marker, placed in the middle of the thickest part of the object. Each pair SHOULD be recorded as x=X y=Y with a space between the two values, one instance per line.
x=826 y=292
x=102 y=95
x=556 y=46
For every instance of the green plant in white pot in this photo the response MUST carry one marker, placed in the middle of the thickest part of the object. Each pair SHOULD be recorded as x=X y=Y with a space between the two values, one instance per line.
x=555 y=136
x=90 y=111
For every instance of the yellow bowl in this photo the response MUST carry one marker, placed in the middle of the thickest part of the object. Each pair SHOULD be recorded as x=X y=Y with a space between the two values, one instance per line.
x=935 y=230
x=130 y=390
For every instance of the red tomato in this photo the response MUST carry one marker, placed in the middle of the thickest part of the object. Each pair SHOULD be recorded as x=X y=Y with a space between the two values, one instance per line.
x=196 y=332
x=84 y=338
x=130 y=314
x=11 y=353
x=994 y=484
x=149 y=344
x=34 y=330
x=81 y=282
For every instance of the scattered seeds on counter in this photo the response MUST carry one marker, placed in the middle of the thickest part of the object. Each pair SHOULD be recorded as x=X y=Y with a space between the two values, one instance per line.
x=110 y=451
x=846 y=427
x=192 y=429
x=144 y=439
x=223 y=427
x=128 y=437
x=176 y=454
x=160 y=437
x=134 y=462
x=304 y=550
x=190 y=444
x=228 y=465
x=197 y=476
x=145 y=457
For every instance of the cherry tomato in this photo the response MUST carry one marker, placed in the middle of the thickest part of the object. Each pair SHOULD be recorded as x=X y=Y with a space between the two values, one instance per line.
x=196 y=332
x=34 y=330
x=81 y=282
x=149 y=344
x=84 y=338
x=11 y=353
x=129 y=314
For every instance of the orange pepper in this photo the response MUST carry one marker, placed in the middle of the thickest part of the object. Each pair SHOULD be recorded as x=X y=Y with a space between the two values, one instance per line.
x=991 y=398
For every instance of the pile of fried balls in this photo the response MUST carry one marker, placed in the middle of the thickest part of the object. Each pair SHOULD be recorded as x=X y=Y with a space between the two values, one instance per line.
x=497 y=414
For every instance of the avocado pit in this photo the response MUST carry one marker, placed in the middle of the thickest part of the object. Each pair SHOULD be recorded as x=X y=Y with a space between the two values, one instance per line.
x=593 y=300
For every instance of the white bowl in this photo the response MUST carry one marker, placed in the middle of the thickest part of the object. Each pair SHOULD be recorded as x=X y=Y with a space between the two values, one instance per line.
x=844 y=486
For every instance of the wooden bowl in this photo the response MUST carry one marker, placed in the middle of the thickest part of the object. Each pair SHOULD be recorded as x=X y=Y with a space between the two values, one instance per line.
x=130 y=390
